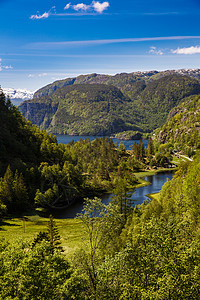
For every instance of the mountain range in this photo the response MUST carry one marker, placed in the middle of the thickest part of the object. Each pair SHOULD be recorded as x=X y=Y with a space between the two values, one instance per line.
x=117 y=80
x=97 y=104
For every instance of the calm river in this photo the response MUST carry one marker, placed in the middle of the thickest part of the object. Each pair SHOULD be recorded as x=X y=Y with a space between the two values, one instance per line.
x=139 y=194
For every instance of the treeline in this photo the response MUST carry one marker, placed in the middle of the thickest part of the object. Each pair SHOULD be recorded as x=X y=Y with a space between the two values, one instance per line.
x=151 y=251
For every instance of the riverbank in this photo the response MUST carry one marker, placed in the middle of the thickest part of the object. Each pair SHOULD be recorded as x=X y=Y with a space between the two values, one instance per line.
x=140 y=175
x=27 y=226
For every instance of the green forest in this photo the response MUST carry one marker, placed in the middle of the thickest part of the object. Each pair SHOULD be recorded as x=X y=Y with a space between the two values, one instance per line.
x=120 y=250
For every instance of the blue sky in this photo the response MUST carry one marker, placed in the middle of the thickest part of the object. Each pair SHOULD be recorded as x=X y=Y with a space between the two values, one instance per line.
x=42 y=41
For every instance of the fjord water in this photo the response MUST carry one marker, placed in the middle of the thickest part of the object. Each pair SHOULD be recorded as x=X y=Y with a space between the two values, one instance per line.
x=65 y=139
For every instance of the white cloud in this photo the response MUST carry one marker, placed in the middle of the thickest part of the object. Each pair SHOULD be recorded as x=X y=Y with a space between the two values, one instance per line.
x=42 y=45
x=42 y=74
x=67 y=6
x=100 y=7
x=8 y=67
x=37 y=17
x=2 y=67
x=154 y=50
x=81 y=6
x=95 y=7
x=44 y=15
x=37 y=75
x=189 y=50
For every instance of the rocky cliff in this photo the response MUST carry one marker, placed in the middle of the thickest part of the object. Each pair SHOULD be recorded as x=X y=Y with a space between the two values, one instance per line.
x=38 y=113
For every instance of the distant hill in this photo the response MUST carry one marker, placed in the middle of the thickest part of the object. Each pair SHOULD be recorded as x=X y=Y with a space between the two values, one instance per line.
x=81 y=109
x=102 y=109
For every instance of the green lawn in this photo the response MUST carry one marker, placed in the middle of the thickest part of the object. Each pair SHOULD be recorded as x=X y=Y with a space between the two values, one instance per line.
x=153 y=196
x=71 y=231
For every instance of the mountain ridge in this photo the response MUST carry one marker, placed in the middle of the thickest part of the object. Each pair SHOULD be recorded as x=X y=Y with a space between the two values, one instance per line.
x=102 y=109
x=123 y=78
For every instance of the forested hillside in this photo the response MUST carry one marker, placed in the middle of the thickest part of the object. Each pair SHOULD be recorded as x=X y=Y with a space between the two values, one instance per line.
x=38 y=172
x=101 y=109
x=20 y=142
x=81 y=109
x=181 y=132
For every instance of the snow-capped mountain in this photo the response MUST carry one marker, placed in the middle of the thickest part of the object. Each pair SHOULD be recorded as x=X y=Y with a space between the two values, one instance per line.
x=18 y=95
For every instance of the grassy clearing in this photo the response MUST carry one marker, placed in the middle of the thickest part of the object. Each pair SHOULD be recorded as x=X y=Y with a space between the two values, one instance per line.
x=71 y=231
x=153 y=196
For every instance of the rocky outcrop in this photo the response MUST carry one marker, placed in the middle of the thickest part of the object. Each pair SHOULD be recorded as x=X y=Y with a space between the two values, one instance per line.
x=129 y=135
x=46 y=111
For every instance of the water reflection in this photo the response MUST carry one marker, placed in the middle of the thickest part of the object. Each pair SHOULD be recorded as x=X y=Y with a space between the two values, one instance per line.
x=156 y=181
x=139 y=195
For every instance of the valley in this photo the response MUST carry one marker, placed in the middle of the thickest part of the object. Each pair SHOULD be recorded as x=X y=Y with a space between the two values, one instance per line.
x=101 y=178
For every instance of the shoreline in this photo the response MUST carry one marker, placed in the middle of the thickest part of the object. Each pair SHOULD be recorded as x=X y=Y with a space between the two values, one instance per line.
x=142 y=174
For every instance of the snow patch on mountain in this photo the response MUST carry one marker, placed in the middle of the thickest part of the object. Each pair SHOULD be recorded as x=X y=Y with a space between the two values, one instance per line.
x=22 y=94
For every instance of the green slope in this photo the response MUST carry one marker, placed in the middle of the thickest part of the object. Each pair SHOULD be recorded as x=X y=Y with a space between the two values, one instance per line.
x=80 y=109
x=20 y=142
x=182 y=129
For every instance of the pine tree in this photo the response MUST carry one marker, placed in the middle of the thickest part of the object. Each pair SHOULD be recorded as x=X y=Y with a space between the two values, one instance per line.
x=54 y=237
x=51 y=236
x=41 y=236
x=6 y=193
x=20 y=194
x=150 y=149
x=135 y=150
x=141 y=150
x=122 y=197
